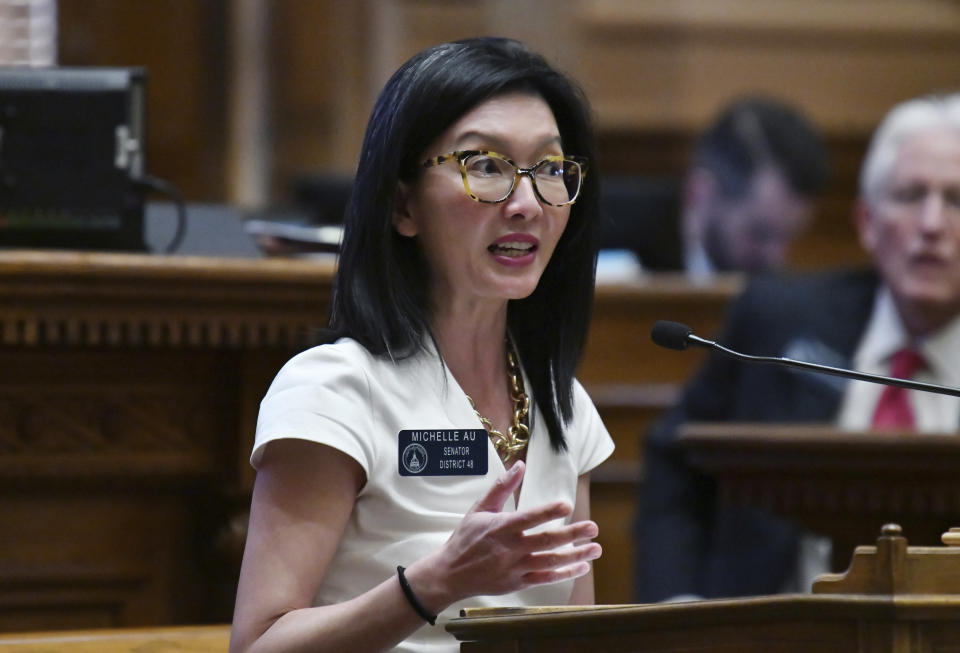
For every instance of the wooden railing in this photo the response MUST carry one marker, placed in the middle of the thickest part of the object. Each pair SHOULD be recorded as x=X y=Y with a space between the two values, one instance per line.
x=175 y=639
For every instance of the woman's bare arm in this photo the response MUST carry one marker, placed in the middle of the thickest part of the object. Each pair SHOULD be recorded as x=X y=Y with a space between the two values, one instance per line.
x=303 y=496
x=583 y=589
x=302 y=500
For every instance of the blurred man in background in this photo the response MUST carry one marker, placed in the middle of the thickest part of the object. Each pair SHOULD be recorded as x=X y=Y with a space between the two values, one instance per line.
x=900 y=318
x=747 y=194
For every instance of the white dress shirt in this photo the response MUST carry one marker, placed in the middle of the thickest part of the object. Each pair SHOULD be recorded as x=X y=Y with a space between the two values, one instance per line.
x=885 y=335
x=697 y=263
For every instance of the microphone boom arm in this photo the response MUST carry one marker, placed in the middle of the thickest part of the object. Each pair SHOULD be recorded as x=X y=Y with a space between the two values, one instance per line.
x=826 y=369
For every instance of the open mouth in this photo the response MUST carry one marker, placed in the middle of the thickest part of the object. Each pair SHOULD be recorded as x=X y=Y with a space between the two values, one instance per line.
x=926 y=260
x=513 y=249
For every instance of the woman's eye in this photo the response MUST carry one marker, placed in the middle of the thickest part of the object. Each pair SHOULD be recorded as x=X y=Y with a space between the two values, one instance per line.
x=551 y=169
x=484 y=165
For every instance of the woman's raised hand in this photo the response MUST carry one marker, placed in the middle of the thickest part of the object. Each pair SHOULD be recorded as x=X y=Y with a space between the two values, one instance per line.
x=490 y=552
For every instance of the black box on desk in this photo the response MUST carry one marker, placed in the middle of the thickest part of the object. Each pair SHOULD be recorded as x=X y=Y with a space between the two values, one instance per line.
x=72 y=145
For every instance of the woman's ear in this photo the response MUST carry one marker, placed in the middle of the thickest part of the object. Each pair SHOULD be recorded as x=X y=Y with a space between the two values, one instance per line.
x=403 y=220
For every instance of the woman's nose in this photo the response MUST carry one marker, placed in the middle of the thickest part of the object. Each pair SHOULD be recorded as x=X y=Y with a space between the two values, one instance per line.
x=524 y=200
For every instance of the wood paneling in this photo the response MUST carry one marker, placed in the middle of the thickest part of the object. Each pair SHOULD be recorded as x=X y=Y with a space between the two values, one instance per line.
x=656 y=71
x=845 y=485
x=127 y=414
x=846 y=62
x=182 y=44
x=632 y=381
x=196 y=639
x=319 y=57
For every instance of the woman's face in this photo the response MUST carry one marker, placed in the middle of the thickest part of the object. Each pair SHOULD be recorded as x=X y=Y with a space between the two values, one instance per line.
x=479 y=252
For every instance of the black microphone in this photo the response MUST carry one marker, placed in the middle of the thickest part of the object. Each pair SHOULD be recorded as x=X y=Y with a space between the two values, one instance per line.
x=674 y=335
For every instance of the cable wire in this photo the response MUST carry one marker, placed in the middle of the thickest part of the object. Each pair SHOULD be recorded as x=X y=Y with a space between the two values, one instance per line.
x=151 y=183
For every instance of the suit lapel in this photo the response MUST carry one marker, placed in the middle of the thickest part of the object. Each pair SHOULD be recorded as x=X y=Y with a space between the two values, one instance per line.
x=832 y=338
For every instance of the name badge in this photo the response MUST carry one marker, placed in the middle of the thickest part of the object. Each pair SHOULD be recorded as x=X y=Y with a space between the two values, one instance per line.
x=445 y=452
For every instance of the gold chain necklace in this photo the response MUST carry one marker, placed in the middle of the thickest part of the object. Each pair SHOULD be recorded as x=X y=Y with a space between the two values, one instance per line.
x=514 y=443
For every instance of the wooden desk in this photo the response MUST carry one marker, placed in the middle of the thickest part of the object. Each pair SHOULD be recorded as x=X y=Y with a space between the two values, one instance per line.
x=128 y=398
x=174 y=639
x=842 y=484
x=632 y=381
x=894 y=598
x=785 y=624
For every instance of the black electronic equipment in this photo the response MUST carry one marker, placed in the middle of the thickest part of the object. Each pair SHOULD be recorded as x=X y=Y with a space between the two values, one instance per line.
x=72 y=151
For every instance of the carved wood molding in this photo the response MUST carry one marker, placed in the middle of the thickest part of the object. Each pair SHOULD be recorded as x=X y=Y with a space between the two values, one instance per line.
x=66 y=438
x=907 y=496
x=52 y=589
x=814 y=469
x=882 y=23
x=123 y=300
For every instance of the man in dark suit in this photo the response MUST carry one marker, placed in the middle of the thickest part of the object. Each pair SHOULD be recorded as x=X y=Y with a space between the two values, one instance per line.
x=747 y=194
x=907 y=307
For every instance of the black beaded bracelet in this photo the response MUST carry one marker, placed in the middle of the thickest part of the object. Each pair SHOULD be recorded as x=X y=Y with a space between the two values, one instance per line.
x=414 y=601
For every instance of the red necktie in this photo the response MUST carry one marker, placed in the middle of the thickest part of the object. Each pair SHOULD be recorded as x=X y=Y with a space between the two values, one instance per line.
x=893 y=410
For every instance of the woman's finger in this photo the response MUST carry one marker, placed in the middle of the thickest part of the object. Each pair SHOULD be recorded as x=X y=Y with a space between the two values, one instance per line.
x=575 y=570
x=551 y=539
x=494 y=499
x=547 y=560
x=527 y=519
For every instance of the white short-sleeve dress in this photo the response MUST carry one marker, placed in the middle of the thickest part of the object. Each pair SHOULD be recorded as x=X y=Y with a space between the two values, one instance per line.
x=342 y=396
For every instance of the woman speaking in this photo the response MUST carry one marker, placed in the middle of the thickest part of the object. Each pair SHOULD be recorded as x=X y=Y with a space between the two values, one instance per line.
x=435 y=452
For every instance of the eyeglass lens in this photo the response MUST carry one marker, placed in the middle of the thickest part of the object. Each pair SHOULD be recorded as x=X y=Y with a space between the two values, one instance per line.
x=491 y=178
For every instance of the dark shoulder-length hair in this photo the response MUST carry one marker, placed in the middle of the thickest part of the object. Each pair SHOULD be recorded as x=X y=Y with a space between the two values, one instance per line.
x=380 y=293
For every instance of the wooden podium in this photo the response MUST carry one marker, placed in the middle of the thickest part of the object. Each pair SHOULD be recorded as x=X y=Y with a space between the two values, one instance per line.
x=894 y=599
x=838 y=483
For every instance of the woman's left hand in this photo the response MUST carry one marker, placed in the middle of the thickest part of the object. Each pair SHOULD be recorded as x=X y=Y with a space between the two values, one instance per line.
x=491 y=553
